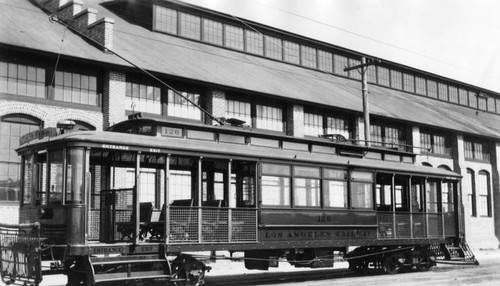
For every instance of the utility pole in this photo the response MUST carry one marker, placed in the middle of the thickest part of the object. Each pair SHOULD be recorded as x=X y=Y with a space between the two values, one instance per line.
x=362 y=68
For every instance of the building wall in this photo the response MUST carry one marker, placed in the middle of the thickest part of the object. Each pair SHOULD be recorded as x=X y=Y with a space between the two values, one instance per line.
x=49 y=116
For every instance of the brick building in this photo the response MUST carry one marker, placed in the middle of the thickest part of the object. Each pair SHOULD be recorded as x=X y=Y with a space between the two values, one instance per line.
x=275 y=81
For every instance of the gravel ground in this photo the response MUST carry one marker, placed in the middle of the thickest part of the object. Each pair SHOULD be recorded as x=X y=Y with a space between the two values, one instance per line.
x=224 y=267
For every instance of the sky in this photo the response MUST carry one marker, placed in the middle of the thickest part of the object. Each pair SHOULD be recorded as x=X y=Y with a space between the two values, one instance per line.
x=457 y=39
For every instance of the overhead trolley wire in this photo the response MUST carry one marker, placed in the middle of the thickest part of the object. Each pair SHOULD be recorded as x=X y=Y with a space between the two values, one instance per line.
x=54 y=18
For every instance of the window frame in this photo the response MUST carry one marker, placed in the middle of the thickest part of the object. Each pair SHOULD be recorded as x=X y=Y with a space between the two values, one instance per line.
x=484 y=210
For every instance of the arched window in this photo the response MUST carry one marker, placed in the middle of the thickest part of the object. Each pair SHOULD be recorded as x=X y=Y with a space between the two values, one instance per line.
x=80 y=125
x=444 y=167
x=468 y=185
x=12 y=127
x=426 y=164
x=483 y=194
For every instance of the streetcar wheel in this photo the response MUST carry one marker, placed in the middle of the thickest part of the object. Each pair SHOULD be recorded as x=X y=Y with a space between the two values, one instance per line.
x=391 y=264
x=179 y=277
x=187 y=271
x=424 y=261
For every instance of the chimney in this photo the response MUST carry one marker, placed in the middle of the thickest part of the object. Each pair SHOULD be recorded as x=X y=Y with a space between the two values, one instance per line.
x=83 y=20
x=67 y=10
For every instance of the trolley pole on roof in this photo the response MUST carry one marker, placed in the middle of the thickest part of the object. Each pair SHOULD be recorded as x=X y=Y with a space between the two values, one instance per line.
x=362 y=68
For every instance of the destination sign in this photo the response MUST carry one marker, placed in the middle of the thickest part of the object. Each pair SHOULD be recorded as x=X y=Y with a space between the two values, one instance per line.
x=307 y=234
x=38 y=134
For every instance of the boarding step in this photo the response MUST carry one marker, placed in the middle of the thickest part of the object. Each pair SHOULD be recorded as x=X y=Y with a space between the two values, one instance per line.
x=129 y=268
x=457 y=252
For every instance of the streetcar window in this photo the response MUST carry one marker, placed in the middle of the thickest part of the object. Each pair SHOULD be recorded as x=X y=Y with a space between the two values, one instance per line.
x=214 y=178
x=56 y=177
x=335 y=188
x=275 y=191
x=39 y=179
x=147 y=184
x=417 y=187
x=275 y=169
x=447 y=197
x=306 y=184
x=28 y=179
x=275 y=186
x=243 y=183
x=383 y=192
x=182 y=179
x=432 y=196
x=179 y=185
x=361 y=189
x=75 y=175
x=401 y=193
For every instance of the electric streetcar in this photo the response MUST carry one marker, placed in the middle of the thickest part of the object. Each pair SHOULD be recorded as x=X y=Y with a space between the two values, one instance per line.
x=136 y=201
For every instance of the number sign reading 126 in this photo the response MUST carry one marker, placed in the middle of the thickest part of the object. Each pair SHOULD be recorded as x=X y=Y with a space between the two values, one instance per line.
x=172 y=132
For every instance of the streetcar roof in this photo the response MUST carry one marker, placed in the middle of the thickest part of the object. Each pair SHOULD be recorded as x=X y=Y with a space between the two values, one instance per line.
x=212 y=149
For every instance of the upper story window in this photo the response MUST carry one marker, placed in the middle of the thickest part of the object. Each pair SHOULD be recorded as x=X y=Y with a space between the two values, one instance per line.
x=453 y=94
x=254 y=42
x=387 y=135
x=432 y=89
x=313 y=124
x=340 y=62
x=269 y=117
x=76 y=88
x=292 y=52
x=179 y=106
x=317 y=124
x=476 y=149
x=240 y=110
x=472 y=99
x=383 y=76
x=396 y=79
x=408 y=83
x=143 y=98
x=165 y=20
x=233 y=37
x=420 y=85
x=354 y=73
x=190 y=26
x=308 y=56
x=212 y=32
x=325 y=61
x=255 y=114
x=482 y=102
x=463 y=96
x=273 y=48
x=251 y=40
x=22 y=80
x=443 y=91
x=371 y=74
x=338 y=125
x=435 y=142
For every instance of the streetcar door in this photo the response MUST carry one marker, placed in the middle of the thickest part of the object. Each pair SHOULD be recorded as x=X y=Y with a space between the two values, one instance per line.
x=243 y=183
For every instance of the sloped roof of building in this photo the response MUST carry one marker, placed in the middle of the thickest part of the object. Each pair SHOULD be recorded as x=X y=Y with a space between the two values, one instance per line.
x=24 y=25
